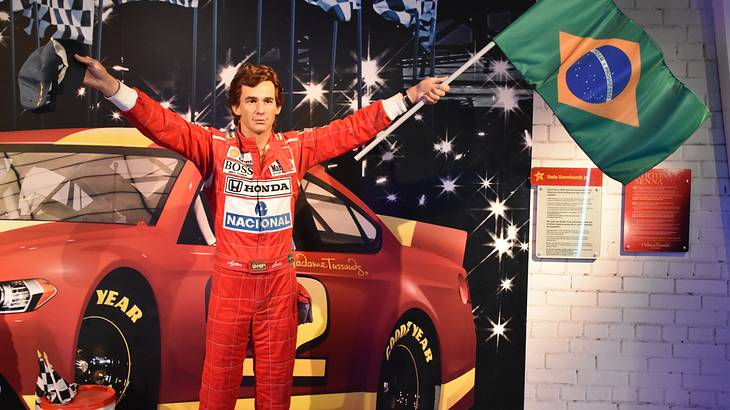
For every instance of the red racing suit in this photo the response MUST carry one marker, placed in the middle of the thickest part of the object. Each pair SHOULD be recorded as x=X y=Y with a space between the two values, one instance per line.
x=254 y=287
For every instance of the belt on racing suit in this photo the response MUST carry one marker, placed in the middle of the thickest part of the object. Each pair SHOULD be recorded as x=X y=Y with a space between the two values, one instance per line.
x=257 y=266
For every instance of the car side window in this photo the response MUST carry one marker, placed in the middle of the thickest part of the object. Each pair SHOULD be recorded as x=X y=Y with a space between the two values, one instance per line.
x=198 y=226
x=326 y=220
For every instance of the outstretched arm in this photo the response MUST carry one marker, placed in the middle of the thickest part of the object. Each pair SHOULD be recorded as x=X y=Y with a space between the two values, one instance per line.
x=320 y=144
x=162 y=126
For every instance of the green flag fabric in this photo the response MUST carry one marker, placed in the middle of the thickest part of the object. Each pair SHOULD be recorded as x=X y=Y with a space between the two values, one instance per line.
x=606 y=80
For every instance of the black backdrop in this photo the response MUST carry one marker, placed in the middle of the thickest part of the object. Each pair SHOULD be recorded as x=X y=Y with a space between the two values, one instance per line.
x=463 y=163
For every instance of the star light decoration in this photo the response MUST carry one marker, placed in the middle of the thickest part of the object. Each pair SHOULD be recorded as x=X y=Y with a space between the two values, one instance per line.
x=505 y=237
x=499 y=328
x=444 y=146
x=448 y=186
x=168 y=103
x=2 y=37
x=391 y=197
x=4 y=16
x=499 y=70
x=390 y=153
x=313 y=93
x=506 y=285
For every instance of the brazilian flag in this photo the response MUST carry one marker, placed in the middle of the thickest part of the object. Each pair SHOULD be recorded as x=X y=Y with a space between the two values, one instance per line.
x=606 y=80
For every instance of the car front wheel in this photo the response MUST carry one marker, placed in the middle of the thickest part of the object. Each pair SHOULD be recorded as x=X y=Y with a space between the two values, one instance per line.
x=118 y=343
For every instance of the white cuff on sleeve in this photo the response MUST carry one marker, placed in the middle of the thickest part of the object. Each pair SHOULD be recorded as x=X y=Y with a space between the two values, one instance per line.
x=125 y=98
x=394 y=106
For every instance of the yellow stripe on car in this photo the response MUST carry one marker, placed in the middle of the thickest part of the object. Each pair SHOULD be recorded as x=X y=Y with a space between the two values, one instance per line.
x=116 y=137
x=402 y=228
x=456 y=389
x=302 y=367
x=9 y=225
x=336 y=401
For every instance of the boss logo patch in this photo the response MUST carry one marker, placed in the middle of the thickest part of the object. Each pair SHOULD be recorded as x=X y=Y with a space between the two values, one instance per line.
x=237 y=168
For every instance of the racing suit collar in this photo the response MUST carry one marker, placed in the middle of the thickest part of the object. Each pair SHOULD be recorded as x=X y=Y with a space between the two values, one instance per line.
x=249 y=143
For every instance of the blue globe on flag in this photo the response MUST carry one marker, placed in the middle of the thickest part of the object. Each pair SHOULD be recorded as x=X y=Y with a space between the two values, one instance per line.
x=600 y=75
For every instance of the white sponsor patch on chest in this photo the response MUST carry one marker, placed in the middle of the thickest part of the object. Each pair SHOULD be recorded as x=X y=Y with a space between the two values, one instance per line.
x=264 y=215
x=257 y=189
x=276 y=169
x=237 y=168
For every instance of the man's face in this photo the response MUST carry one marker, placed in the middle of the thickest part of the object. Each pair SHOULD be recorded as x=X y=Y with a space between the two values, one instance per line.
x=257 y=108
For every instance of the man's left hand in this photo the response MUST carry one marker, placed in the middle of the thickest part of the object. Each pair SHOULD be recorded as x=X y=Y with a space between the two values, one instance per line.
x=429 y=90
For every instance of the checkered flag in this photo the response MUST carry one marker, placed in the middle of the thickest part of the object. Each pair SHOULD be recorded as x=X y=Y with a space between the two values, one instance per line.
x=410 y=12
x=18 y=5
x=182 y=3
x=71 y=19
x=427 y=22
x=404 y=12
x=342 y=9
x=51 y=384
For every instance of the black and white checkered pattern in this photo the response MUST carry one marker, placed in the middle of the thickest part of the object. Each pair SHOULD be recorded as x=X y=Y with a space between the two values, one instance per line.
x=404 y=12
x=410 y=12
x=71 y=19
x=182 y=3
x=341 y=8
x=51 y=385
x=427 y=23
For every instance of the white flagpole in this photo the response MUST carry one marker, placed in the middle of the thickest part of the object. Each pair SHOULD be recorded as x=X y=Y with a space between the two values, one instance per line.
x=392 y=127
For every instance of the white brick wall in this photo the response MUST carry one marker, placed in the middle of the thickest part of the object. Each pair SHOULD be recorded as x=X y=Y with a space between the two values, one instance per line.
x=640 y=332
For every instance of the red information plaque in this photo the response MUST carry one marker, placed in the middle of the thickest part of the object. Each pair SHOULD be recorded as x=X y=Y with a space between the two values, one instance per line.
x=656 y=211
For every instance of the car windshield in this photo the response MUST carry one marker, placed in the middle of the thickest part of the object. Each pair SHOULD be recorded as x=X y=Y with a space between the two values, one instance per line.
x=78 y=184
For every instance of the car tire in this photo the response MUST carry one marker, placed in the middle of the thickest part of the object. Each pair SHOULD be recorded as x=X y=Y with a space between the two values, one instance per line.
x=410 y=370
x=119 y=341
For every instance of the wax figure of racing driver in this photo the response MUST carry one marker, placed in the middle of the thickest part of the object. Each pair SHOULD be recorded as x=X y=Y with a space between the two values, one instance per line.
x=255 y=181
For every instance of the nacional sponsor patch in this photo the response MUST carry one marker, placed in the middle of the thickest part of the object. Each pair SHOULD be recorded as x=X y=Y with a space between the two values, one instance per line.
x=237 y=168
x=246 y=223
x=257 y=189
x=263 y=215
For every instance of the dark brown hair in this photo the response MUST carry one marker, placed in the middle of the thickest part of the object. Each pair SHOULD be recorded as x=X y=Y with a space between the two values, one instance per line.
x=252 y=75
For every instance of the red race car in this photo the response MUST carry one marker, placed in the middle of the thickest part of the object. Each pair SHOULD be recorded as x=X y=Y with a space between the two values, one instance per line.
x=106 y=248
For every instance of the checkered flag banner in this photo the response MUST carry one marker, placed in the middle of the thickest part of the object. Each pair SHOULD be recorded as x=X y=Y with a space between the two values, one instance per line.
x=182 y=3
x=408 y=12
x=342 y=9
x=18 y=5
x=404 y=12
x=51 y=385
x=70 y=19
x=427 y=23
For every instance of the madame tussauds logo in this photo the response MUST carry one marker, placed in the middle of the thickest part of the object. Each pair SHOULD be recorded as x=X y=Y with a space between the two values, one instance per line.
x=258 y=189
